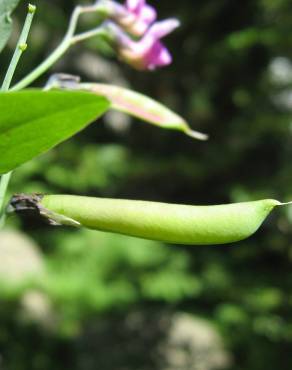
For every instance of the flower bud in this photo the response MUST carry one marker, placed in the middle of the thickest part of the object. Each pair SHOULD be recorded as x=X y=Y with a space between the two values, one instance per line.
x=149 y=52
x=135 y=16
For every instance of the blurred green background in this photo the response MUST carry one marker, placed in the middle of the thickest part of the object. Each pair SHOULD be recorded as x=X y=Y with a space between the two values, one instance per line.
x=87 y=300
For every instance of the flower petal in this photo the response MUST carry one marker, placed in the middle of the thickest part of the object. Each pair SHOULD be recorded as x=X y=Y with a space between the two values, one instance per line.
x=135 y=5
x=163 y=28
x=148 y=14
x=158 y=56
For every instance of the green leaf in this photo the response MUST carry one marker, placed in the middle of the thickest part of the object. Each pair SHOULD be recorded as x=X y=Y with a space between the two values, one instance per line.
x=142 y=107
x=6 y=8
x=34 y=121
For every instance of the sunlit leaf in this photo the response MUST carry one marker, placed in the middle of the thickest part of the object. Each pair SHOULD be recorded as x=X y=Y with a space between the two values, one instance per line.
x=34 y=121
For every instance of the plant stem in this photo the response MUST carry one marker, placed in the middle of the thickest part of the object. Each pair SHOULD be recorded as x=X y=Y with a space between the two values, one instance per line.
x=4 y=182
x=20 y=48
x=65 y=44
x=99 y=31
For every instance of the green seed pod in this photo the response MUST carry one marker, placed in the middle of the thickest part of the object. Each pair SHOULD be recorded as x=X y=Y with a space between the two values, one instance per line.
x=172 y=223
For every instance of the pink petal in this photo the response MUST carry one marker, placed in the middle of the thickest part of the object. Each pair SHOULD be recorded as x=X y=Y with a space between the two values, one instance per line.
x=163 y=28
x=148 y=14
x=135 y=6
x=164 y=58
x=158 y=56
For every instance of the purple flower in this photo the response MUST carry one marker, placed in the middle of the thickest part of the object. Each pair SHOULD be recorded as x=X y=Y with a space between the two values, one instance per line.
x=145 y=15
x=149 y=52
x=135 y=16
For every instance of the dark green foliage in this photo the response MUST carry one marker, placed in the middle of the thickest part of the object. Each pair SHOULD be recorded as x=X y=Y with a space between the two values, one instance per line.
x=6 y=8
x=226 y=81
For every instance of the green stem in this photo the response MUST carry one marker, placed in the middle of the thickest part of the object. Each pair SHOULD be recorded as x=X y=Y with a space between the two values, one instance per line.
x=65 y=44
x=99 y=31
x=20 y=48
x=3 y=188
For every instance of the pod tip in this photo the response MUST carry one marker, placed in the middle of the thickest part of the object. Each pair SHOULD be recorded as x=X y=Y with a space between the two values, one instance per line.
x=285 y=203
x=196 y=135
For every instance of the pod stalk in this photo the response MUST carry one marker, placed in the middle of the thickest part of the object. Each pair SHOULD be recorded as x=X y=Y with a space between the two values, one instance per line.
x=32 y=203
